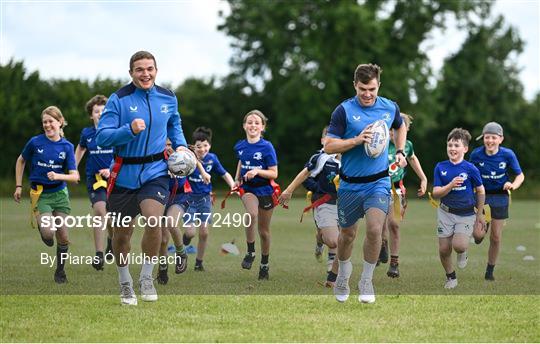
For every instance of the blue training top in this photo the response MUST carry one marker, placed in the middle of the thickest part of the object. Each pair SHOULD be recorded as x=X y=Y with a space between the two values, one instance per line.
x=348 y=120
x=45 y=156
x=98 y=157
x=211 y=164
x=158 y=108
x=494 y=168
x=260 y=154
x=463 y=196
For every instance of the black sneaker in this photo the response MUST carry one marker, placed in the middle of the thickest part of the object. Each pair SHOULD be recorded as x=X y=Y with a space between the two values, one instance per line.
x=248 y=261
x=393 y=270
x=48 y=242
x=60 y=276
x=489 y=277
x=181 y=263
x=163 y=277
x=383 y=254
x=99 y=264
x=199 y=267
x=263 y=272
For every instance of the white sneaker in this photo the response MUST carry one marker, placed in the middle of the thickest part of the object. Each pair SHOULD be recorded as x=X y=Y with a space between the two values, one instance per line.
x=127 y=294
x=451 y=283
x=341 y=288
x=462 y=260
x=148 y=292
x=367 y=293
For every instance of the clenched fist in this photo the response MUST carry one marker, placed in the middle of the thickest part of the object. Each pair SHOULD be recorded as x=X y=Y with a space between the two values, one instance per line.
x=138 y=125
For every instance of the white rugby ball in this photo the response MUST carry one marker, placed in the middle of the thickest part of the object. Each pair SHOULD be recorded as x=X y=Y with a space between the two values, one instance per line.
x=379 y=140
x=182 y=163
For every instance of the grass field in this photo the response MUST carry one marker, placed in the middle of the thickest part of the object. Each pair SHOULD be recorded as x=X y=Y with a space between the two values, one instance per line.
x=226 y=303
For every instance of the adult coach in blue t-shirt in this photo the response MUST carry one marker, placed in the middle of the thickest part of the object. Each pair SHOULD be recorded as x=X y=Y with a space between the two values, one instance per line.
x=136 y=121
x=365 y=185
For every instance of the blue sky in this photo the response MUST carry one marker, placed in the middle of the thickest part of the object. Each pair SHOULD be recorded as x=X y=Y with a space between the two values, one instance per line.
x=82 y=39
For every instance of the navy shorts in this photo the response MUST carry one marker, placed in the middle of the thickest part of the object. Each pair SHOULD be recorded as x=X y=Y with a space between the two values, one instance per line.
x=180 y=200
x=266 y=202
x=499 y=205
x=99 y=195
x=126 y=201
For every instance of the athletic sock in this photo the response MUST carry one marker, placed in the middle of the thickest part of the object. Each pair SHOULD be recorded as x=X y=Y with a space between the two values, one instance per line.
x=186 y=240
x=345 y=267
x=99 y=254
x=163 y=267
x=146 y=269
x=394 y=260
x=264 y=259
x=451 y=275
x=367 y=273
x=331 y=277
x=180 y=250
x=489 y=269
x=109 y=245
x=251 y=248
x=124 y=275
x=331 y=256
x=319 y=244
x=198 y=262
x=61 y=250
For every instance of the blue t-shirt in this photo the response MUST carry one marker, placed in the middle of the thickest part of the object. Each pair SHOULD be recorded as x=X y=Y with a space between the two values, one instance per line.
x=494 y=168
x=460 y=197
x=323 y=168
x=211 y=165
x=98 y=157
x=261 y=155
x=45 y=156
x=348 y=120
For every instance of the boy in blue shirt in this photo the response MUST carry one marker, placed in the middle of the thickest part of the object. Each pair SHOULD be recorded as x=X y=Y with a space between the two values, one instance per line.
x=455 y=181
x=493 y=161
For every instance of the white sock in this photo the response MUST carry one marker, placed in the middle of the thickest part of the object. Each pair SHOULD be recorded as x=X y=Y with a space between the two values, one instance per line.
x=367 y=273
x=345 y=268
x=124 y=275
x=147 y=269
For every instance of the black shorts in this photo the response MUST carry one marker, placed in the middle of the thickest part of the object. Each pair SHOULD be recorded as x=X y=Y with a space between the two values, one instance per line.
x=99 y=195
x=265 y=202
x=126 y=201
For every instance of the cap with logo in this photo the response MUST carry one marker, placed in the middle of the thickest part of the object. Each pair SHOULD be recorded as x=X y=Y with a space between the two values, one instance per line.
x=491 y=128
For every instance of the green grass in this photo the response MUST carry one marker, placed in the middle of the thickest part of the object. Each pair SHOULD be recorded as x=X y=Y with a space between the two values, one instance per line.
x=226 y=303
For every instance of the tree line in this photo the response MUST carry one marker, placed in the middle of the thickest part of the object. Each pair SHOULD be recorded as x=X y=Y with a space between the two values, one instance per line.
x=295 y=61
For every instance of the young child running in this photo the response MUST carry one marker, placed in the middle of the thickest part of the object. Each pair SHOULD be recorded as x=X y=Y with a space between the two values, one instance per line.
x=454 y=182
x=493 y=161
x=199 y=212
x=398 y=190
x=318 y=177
x=50 y=156
x=256 y=171
x=97 y=172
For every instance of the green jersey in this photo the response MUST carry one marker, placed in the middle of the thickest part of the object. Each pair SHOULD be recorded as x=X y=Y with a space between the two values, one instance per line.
x=398 y=173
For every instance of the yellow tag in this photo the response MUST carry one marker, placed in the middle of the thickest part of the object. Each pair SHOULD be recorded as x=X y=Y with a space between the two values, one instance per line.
x=34 y=198
x=509 y=197
x=397 y=203
x=308 y=197
x=432 y=201
x=487 y=213
x=100 y=183
x=336 y=181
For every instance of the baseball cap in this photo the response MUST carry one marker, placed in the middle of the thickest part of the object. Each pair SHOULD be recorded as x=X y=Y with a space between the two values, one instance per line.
x=491 y=128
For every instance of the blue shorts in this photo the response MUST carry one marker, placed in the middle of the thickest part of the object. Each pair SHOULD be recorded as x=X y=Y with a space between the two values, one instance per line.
x=180 y=200
x=99 y=195
x=353 y=205
x=125 y=202
x=499 y=205
x=200 y=209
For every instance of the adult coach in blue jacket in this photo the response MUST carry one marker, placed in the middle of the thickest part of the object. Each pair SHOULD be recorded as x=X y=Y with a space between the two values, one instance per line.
x=137 y=120
x=365 y=185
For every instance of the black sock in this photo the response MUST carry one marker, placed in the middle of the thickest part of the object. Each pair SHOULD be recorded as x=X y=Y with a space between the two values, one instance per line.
x=451 y=275
x=331 y=277
x=331 y=256
x=198 y=262
x=61 y=249
x=99 y=254
x=394 y=260
x=251 y=247
x=109 y=245
x=264 y=259
x=186 y=240
x=489 y=269
x=163 y=267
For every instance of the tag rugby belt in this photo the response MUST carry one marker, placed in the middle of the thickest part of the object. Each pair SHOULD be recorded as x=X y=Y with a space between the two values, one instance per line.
x=364 y=179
